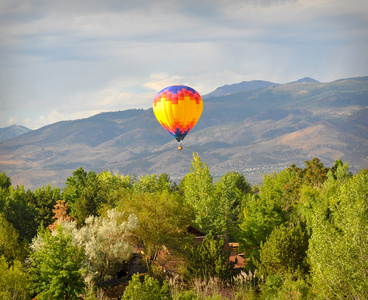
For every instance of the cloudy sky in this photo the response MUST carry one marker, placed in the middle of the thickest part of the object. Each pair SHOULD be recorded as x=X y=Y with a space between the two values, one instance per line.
x=64 y=60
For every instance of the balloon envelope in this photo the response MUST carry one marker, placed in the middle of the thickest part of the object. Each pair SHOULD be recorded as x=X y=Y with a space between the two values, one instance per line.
x=178 y=108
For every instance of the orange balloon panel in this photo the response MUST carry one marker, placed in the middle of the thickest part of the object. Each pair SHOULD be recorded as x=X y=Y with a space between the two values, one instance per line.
x=178 y=108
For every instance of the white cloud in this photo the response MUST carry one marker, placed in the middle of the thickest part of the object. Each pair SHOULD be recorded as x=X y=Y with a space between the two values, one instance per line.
x=67 y=59
x=159 y=81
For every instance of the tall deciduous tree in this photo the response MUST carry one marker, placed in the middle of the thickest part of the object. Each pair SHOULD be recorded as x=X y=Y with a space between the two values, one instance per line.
x=199 y=193
x=260 y=217
x=112 y=188
x=281 y=201
x=163 y=221
x=230 y=192
x=56 y=266
x=152 y=184
x=338 y=251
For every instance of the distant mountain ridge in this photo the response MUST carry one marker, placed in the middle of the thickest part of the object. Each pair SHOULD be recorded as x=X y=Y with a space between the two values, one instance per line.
x=255 y=131
x=12 y=131
x=239 y=87
x=250 y=85
x=305 y=79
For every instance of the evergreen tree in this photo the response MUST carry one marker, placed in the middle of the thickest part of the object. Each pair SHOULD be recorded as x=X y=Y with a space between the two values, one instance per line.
x=44 y=200
x=209 y=259
x=16 y=210
x=82 y=194
x=285 y=251
x=10 y=247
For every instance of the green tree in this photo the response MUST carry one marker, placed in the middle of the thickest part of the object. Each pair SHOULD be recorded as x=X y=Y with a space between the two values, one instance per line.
x=338 y=250
x=5 y=181
x=209 y=259
x=82 y=194
x=14 y=282
x=149 y=289
x=230 y=191
x=199 y=193
x=315 y=173
x=10 y=247
x=285 y=251
x=18 y=212
x=317 y=199
x=56 y=266
x=152 y=184
x=286 y=286
x=112 y=188
x=163 y=220
x=282 y=200
x=260 y=217
x=44 y=200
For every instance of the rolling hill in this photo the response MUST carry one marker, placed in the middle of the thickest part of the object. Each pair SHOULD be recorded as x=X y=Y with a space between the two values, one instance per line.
x=248 y=128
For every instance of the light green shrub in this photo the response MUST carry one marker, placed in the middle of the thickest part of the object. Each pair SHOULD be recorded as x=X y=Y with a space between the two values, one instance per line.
x=149 y=289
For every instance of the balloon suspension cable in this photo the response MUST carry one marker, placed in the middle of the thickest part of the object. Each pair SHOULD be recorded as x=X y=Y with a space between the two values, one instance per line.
x=180 y=146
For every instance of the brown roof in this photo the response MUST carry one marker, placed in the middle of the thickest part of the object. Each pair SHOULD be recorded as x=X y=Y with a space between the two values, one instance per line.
x=235 y=256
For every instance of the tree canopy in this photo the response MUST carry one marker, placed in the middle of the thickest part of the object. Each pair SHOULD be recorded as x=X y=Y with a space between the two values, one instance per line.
x=302 y=232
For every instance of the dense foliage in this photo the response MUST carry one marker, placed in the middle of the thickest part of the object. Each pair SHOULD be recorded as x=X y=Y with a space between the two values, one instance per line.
x=209 y=259
x=56 y=266
x=303 y=234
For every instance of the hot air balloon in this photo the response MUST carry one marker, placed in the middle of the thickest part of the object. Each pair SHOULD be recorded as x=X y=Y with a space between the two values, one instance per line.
x=178 y=108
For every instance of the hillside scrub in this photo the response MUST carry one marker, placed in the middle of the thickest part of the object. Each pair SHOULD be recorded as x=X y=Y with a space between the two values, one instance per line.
x=303 y=235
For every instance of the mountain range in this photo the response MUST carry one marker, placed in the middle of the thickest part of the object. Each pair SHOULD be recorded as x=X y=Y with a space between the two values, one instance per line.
x=253 y=127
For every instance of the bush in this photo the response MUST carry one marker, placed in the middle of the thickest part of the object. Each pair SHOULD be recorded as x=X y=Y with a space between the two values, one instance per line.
x=285 y=287
x=149 y=289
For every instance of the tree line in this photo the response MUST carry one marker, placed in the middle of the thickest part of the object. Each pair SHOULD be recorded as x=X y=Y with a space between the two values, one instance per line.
x=302 y=232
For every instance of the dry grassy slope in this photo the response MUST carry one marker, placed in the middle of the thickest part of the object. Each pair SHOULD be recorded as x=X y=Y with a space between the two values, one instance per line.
x=254 y=132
